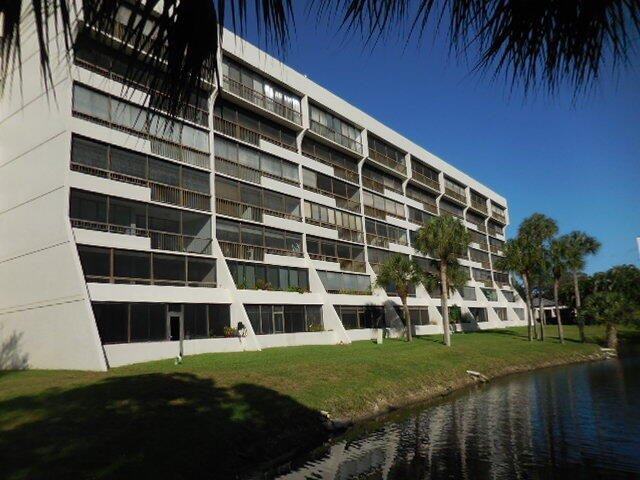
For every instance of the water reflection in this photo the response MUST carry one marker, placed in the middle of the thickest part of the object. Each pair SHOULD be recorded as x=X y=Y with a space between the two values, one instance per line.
x=578 y=420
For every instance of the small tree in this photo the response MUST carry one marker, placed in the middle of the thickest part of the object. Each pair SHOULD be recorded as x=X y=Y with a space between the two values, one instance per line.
x=610 y=309
x=445 y=239
x=400 y=272
x=579 y=246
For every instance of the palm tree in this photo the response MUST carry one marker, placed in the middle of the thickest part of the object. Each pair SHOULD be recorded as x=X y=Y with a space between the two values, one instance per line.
x=532 y=43
x=516 y=260
x=557 y=260
x=445 y=239
x=401 y=273
x=579 y=246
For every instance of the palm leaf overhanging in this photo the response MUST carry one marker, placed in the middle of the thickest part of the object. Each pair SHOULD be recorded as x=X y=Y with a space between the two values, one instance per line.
x=536 y=43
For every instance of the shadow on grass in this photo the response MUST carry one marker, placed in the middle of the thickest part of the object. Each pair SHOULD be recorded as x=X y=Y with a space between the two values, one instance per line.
x=151 y=426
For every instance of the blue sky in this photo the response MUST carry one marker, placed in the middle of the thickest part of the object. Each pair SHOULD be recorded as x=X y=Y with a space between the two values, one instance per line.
x=578 y=162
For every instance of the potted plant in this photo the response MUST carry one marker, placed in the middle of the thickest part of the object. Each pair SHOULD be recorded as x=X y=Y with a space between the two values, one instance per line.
x=230 y=332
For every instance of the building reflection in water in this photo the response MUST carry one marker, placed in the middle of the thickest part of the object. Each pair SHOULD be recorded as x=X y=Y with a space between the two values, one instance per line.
x=576 y=420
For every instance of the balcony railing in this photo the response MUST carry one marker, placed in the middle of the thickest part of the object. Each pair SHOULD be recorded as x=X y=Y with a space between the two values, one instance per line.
x=246 y=211
x=479 y=205
x=428 y=181
x=338 y=170
x=496 y=249
x=335 y=136
x=253 y=252
x=487 y=282
x=500 y=217
x=345 y=263
x=378 y=186
x=428 y=207
x=261 y=100
x=455 y=195
x=343 y=233
x=240 y=132
x=484 y=262
x=159 y=146
x=388 y=161
x=160 y=192
x=341 y=202
x=243 y=172
x=480 y=227
x=159 y=240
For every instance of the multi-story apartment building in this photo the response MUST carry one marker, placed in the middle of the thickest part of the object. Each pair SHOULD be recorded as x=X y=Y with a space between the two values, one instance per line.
x=259 y=218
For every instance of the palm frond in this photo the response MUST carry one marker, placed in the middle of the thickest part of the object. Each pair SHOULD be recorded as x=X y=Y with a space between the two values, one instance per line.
x=543 y=43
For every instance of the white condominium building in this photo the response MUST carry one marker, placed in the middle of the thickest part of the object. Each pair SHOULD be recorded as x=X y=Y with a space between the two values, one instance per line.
x=257 y=219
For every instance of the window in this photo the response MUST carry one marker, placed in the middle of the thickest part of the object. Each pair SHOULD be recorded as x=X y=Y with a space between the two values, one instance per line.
x=419 y=217
x=129 y=266
x=419 y=315
x=469 y=293
x=501 y=312
x=479 y=314
x=482 y=275
x=124 y=322
x=239 y=200
x=378 y=181
x=344 y=166
x=358 y=317
x=519 y=313
x=89 y=207
x=379 y=148
x=338 y=282
x=378 y=206
x=350 y=256
x=454 y=189
x=346 y=196
x=236 y=238
x=425 y=174
x=269 y=277
x=348 y=225
x=509 y=295
x=268 y=319
x=490 y=293
x=451 y=209
x=380 y=234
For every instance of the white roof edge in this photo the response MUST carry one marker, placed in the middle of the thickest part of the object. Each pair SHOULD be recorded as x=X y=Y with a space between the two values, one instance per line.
x=241 y=48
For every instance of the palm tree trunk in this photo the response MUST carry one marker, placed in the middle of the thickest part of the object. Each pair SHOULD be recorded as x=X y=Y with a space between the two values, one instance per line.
x=527 y=297
x=579 y=319
x=445 y=308
x=555 y=299
x=541 y=314
x=407 y=318
x=612 y=336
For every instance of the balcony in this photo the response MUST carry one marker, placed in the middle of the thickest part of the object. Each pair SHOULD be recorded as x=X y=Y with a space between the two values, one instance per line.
x=245 y=211
x=159 y=240
x=336 y=137
x=427 y=181
x=387 y=161
x=343 y=233
x=261 y=100
x=499 y=217
x=243 y=172
x=449 y=192
x=480 y=227
x=496 y=249
x=253 y=252
x=345 y=263
x=240 y=132
x=479 y=205
x=159 y=192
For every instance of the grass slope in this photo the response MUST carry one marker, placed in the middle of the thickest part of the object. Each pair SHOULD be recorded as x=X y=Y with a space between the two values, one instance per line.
x=222 y=414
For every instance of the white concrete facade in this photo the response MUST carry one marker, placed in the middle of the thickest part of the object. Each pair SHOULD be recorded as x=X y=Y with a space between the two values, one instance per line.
x=47 y=301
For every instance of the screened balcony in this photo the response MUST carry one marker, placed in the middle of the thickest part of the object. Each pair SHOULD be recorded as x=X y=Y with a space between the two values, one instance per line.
x=424 y=174
x=502 y=280
x=480 y=257
x=419 y=217
x=274 y=319
x=335 y=129
x=249 y=127
x=498 y=213
x=478 y=202
x=384 y=154
x=168 y=182
x=381 y=234
x=168 y=228
x=349 y=256
x=236 y=199
x=482 y=276
x=508 y=294
x=345 y=283
x=346 y=196
x=99 y=58
x=495 y=228
x=256 y=276
x=480 y=239
x=344 y=166
x=378 y=181
x=497 y=246
x=259 y=91
x=169 y=138
x=477 y=221
x=247 y=241
x=110 y=265
x=427 y=199
x=348 y=225
x=239 y=161
x=448 y=208
x=378 y=257
x=378 y=206
x=455 y=190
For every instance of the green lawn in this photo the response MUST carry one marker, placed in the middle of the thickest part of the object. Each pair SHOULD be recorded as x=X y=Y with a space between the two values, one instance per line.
x=219 y=414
